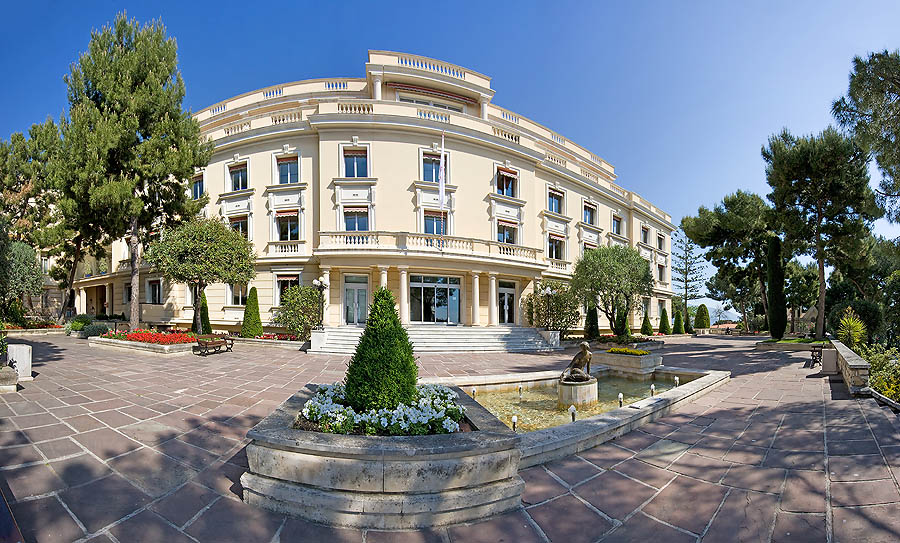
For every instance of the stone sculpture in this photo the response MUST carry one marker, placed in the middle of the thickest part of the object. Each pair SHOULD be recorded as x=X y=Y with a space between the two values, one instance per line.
x=579 y=370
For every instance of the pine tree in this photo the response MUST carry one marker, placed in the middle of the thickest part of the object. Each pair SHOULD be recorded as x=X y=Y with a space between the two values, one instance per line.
x=678 y=327
x=252 y=325
x=687 y=268
x=702 y=318
x=591 y=326
x=646 y=327
x=664 y=323
x=382 y=372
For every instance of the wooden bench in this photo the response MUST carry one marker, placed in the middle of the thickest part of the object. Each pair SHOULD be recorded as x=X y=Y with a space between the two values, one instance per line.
x=214 y=342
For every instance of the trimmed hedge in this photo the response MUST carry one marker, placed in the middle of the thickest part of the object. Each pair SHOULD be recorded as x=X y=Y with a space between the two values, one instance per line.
x=646 y=327
x=775 y=280
x=702 y=318
x=678 y=327
x=591 y=326
x=664 y=323
x=252 y=325
x=628 y=351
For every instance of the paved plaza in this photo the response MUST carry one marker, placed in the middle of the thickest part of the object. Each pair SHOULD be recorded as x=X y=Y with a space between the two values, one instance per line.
x=108 y=445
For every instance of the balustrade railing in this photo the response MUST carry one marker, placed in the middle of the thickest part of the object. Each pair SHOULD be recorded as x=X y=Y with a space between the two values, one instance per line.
x=355 y=108
x=285 y=247
x=404 y=241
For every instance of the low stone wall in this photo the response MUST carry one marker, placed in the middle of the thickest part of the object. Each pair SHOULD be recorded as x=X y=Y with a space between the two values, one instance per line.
x=627 y=363
x=383 y=482
x=179 y=349
x=36 y=332
x=281 y=344
x=652 y=345
x=854 y=370
x=499 y=382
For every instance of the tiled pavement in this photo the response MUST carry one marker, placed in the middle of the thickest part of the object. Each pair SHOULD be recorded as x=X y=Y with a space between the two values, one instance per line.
x=108 y=446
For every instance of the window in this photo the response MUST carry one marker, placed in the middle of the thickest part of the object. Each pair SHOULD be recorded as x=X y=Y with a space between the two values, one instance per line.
x=154 y=291
x=126 y=297
x=241 y=225
x=192 y=294
x=238 y=176
x=238 y=294
x=588 y=247
x=660 y=307
x=506 y=182
x=288 y=170
x=661 y=242
x=646 y=307
x=431 y=167
x=45 y=264
x=555 y=201
x=356 y=163
x=506 y=232
x=356 y=219
x=436 y=223
x=590 y=214
x=662 y=272
x=283 y=283
x=645 y=235
x=556 y=247
x=617 y=226
x=423 y=102
x=197 y=187
x=288 y=224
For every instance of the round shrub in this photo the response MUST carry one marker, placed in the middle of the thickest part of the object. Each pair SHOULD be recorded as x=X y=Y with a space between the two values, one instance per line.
x=252 y=325
x=664 y=328
x=701 y=320
x=382 y=373
x=77 y=326
x=83 y=319
x=93 y=330
x=678 y=327
x=646 y=327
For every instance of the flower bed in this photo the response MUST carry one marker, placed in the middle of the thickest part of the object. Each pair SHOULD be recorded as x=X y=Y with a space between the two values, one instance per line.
x=622 y=340
x=436 y=412
x=626 y=350
x=33 y=325
x=148 y=336
x=278 y=337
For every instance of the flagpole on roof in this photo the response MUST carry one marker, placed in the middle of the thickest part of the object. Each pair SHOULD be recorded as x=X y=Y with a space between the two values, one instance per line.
x=442 y=187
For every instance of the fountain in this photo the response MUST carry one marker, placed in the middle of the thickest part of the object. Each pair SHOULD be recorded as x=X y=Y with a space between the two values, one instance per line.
x=577 y=387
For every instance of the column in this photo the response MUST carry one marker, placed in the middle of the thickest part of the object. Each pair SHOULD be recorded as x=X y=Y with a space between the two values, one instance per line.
x=492 y=299
x=110 y=308
x=404 y=296
x=326 y=294
x=484 y=108
x=476 y=297
x=383 y=271
x=376 y=87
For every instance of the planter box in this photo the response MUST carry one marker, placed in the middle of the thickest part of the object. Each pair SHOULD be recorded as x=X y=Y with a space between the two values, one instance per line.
x=652 y=345
x=78 y=334
x=383 y=482
x=179 y=349
x=627 y=363
x=279 y=343
x=37 y=332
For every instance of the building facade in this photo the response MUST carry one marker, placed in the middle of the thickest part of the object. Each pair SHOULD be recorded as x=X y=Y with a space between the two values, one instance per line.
x=337 y=179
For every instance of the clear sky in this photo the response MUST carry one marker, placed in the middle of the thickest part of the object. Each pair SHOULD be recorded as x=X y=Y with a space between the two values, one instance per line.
x=678 y=96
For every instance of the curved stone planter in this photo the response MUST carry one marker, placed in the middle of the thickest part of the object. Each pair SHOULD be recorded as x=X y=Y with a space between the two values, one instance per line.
x=628 y=363
x=383 y=482
x=179 y=349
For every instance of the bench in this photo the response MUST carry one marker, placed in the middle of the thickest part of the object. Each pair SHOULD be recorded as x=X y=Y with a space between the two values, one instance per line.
x=214 y=342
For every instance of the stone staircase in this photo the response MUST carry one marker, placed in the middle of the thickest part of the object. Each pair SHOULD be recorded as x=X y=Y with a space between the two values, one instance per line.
x=446 y=339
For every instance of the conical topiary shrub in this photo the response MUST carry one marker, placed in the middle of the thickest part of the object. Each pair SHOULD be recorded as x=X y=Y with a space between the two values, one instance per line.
x=382 y=373
x=678 y=327
x=591 y=327
x=664 y=323
x=206 y=327
x=702 y=318
x=688 y=329
x=646 y=327
x=252 y=325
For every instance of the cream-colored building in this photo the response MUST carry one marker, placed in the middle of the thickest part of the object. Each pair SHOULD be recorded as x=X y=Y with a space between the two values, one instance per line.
x=337 y=178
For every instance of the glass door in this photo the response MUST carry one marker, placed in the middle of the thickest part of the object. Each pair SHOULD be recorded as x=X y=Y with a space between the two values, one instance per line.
x=434 y=299
x=356 y=299
x=507 y=302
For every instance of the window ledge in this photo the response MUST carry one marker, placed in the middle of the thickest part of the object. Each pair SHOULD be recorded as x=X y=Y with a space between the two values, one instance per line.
x=507 y=199
x=619 y=237
x=432 y=185
x=555 y=215
x=241 y=307
x=284 y=187
x=236 y=194
x=589 y=226
x=354 y=180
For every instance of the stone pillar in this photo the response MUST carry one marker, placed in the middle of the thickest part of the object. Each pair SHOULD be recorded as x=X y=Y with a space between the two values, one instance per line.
x=384 y=279
x=476 y=301
x=20 y=357
x=376 y=87
x=484 y=108
x=492 y=300
x=109 y=299
x=404 y=296
x=326 y=309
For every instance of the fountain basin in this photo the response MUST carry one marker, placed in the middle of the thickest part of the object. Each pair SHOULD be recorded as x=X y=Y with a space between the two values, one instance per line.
x=579 y=394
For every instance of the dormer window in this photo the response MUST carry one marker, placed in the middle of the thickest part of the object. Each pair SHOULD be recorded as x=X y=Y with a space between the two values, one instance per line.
x=506 y=182
x=356 y=163
x=238 y=174
x=288 y=170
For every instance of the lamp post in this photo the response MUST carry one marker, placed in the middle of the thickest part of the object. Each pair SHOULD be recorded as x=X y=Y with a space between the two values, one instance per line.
x=321 y=284
x=548 y=292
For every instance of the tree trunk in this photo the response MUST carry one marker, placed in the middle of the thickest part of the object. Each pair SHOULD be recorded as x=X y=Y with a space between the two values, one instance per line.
x=744 y=317
x=762 y=294
x=820 y=306
x=198 y=323
x=135 y=276
x=67 y=297
x=793 y=318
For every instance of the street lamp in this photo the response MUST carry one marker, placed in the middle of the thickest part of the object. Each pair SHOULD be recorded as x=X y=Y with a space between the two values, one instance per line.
x=548 y=292
x=321 y=284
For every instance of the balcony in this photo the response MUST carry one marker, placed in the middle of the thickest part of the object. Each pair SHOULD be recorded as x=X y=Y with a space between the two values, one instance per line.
x=285 y=248
x=412 y=244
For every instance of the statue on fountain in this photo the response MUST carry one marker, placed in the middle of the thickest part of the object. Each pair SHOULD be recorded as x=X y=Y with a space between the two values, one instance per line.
x=579 y=370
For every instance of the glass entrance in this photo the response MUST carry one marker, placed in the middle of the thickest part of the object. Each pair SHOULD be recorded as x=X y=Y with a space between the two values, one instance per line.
x=356 y=299
x=434 y=299
x=507 y=302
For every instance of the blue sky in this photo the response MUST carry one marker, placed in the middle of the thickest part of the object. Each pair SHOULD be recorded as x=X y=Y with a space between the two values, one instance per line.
x=678 y=96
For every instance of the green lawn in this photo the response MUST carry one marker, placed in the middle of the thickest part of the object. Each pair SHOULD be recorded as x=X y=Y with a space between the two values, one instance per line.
x=797 y=340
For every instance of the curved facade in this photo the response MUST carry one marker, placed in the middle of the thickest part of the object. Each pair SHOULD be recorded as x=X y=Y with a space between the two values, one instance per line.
x=337 y=179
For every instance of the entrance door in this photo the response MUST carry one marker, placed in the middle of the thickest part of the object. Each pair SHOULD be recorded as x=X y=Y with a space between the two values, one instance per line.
x=434 y=299
x=356 y=299
x=507 y=302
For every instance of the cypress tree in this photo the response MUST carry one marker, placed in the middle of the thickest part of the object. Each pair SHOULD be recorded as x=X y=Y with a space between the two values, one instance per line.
x=204 y=315
x=678 y=327
x=688 y=328
x=252 y=325
x=646 y=327
x=382 y=372
x=702 y=318
x=664 y=323
x=775 y=280
x=591 y=326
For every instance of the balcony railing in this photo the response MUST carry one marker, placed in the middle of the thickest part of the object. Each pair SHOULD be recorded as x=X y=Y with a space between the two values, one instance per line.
x=426 y=243
x=284 y=248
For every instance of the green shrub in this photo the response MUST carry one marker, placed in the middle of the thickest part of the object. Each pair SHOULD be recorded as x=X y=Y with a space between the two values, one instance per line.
x=664 y=323
x=252 y=325
x=382 y=372
x=884 y=369
x=678 y=327
x=591 y=326
x=646 y=327
x=628 y=351
x=561 y=313
x=93 y=330
x=702 y=318
x=2 y=340
x=870 y=313
x=622 y=328
x=15 y=313
x=300 y=311
x=851 y=330
x=77 y=326
x=688 y=328
x=206 y=327
x=84 y=319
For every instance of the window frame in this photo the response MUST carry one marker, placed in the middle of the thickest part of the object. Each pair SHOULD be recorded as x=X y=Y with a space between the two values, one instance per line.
x=612 y=226
x=562 y=201
x=593 y=208
x=435 y=154
x=287 y=214
x=661 y=272
x=283 y=276
x=553 y=239
x=645 y=235
x=201 y=179
x=357 y=210
x=508 y=225
x=231 y=293
x=427 y=102
x=232 y=220
x=357 y=148
x=237 y=166
x=149 y=291
x=286 y=158
x=661 y=242
x=511 y=175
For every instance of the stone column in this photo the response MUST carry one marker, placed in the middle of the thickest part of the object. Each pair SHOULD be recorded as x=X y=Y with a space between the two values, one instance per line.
x=492 y=300
x=484 y=108
x=376 y=87
x=476 y=301
x=326 y=294
x=384 y=279
x=404 y=296
x=109 y=299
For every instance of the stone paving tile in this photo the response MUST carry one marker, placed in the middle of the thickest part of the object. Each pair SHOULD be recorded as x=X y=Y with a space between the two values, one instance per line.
x=579 y=523
x=572 y=470
x=640 y=527
x=22 y=454
x=606 y=455
x=744 y=517
x=230 y=521
x=114 y=418
x=662 y=453
x=645 y=473
x=864 y=493
x=713 y=447
x=846 y=448
x=700 y=467
x=795 y=460
x=755 y=478
x=31 y=481
x=876 y=524
x=104 y=501
x=80 y=469
x=540 y=486
x=45 y=520
x=106 y=443
x=181 y=506
x=636 y=441
x=419 y=536
x=670 y=505
x=187 y=454
x=150 y=432
x=58 y=448
x=857 y=468
x=45 y=433
x=152 y=472
x=746 y=454
x=507 y=528
x=800 y=440
x=224 y=478
x=148 y=527
x=799 y=528
x=9 y=438
x=33 y=421
x=614 y=494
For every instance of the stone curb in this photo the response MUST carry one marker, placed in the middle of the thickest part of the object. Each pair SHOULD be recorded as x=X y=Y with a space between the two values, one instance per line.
x=169 y=350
